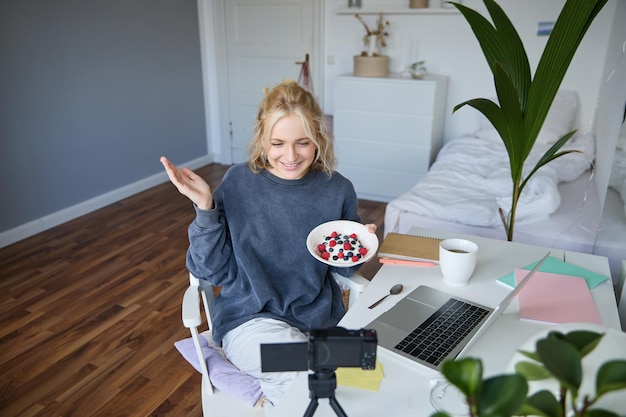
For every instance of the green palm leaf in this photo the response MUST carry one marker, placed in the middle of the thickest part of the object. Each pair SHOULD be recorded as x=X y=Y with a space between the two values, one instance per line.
x=524 y=101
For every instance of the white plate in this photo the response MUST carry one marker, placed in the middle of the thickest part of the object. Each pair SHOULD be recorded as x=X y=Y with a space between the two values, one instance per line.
x=342 y=227
x=612 y=346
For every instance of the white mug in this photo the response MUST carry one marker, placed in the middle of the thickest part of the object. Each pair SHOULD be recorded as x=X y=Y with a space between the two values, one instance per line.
x=457 y=260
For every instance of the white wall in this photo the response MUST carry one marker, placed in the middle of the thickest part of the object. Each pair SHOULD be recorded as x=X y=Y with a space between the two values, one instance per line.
x=449 y=47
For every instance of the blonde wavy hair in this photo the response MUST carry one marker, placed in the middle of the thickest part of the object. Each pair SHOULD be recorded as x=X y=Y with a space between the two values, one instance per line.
x=284 y=99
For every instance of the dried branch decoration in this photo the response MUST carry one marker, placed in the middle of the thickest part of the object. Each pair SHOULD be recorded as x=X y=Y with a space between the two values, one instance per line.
x=379 y=30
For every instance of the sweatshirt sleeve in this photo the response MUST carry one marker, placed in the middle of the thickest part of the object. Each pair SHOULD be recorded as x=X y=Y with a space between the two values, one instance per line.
x=210 y=249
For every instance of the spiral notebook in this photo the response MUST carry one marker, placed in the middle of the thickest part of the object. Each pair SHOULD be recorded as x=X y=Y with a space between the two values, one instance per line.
x=410 y=247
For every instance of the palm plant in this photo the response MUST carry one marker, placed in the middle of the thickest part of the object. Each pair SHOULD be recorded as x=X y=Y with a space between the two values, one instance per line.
x=524 y=100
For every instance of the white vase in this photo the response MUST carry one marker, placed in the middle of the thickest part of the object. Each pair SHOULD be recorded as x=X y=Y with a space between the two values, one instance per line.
x=372 y=45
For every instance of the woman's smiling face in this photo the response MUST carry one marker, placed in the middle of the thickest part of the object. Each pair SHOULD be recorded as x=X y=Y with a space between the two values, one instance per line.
x=290 y=152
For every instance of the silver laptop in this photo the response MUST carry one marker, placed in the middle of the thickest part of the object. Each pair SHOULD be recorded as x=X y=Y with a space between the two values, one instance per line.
x=429 y=326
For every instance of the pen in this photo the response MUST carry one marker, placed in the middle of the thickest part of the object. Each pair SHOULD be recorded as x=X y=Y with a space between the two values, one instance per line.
x=405 y=262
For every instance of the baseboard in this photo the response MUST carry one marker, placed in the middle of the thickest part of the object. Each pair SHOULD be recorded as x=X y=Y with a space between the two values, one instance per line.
x=70 y=213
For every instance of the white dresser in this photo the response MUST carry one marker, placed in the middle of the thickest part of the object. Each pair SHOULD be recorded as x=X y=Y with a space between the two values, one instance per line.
x=387 y=131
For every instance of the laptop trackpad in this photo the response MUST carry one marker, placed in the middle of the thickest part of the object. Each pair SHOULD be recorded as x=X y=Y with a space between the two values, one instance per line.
x=410 y=312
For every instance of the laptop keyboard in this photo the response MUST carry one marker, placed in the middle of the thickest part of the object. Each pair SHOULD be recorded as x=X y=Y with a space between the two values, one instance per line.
x=442 y=331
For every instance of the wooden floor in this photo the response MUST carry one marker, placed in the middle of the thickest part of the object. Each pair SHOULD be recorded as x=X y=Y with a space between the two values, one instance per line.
x=89 y=311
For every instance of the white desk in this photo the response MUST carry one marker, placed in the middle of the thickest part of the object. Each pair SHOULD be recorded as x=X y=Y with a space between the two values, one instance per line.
x=405 y=390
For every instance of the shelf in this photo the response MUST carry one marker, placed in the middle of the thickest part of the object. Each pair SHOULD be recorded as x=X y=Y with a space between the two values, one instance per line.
x=395 y=10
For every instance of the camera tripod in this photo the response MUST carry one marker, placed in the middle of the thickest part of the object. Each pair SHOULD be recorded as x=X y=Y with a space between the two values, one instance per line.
x=322 y=384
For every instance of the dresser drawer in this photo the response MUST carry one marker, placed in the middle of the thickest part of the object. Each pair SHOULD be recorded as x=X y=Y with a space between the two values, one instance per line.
x=413 y=98
x=385 y=127
x=410 y=159
x=378 y=184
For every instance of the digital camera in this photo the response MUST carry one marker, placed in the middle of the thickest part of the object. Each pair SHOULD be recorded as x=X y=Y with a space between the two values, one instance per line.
x=327 y=349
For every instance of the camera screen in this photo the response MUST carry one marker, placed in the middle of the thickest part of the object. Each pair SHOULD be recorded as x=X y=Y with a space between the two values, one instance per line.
x=281 y=357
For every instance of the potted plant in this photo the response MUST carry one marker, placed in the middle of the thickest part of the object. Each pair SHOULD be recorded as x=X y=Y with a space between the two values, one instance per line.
x=558 y=356
x=524 y=100
x=371 y=63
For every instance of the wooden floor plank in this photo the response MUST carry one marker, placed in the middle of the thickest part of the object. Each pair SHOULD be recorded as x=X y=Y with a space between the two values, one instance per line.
x=90 y=310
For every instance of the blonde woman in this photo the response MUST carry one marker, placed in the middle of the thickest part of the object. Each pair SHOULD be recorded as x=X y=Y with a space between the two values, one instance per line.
x=249 y=235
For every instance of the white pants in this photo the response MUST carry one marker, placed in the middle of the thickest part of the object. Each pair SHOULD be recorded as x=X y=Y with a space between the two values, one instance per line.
x=242 y=347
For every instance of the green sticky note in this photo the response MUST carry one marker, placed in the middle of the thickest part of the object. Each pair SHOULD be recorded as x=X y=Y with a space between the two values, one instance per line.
x=557 y=266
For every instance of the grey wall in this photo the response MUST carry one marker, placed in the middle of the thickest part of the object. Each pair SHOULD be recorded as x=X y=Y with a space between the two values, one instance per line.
x=91 y=94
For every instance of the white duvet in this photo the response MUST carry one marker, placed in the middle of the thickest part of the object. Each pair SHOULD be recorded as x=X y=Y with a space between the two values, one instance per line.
x=471 y=179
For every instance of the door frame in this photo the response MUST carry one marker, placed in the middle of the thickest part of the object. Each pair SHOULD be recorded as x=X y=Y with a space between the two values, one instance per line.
x=211 y=16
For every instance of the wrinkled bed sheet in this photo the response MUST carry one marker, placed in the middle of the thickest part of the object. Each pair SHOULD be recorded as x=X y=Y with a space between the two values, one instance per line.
x=471 y=179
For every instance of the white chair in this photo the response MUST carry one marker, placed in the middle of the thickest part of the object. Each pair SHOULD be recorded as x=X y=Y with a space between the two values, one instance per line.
x=214 y=404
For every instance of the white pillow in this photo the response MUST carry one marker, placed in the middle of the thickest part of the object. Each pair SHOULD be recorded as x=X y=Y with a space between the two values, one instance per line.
x=559 y=121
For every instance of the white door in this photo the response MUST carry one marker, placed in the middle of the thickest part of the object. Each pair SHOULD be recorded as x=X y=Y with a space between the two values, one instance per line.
x=264 y=40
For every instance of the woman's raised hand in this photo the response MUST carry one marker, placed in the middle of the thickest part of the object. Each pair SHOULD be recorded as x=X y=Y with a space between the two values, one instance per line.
x=189 y=184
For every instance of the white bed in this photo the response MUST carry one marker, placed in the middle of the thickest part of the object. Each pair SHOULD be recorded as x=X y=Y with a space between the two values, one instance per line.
x=471 y=178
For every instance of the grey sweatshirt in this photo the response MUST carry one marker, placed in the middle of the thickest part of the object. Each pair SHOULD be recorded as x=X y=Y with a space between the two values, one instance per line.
x=253 y=243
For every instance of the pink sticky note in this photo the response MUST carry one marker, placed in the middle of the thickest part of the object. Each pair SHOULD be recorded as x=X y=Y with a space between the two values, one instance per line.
x=556 y=298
